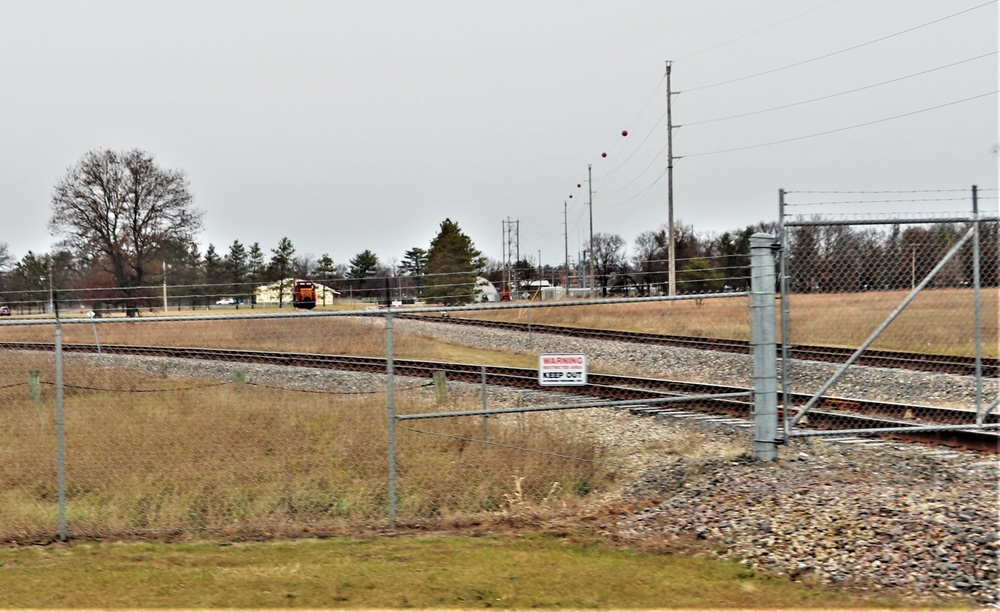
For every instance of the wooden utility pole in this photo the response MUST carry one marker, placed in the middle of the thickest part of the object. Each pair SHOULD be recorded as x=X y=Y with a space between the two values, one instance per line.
x=566 y=248
x=590 y=190
x=671 y=252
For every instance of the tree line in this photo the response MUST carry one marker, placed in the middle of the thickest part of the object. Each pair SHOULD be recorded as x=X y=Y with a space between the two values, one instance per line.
x=124 y=226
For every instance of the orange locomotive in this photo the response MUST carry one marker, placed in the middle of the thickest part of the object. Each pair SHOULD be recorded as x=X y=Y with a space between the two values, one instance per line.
x=304 y=294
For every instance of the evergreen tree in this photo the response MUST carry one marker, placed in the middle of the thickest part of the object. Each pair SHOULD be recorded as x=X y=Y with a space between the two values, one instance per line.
x=700 y=276
x=413 y=265
x=29 y=278
x=363 y=266
x=325 y=270
x=236 y=266
x=186 y=271
x=212 y=270
x=452 y=262
x=281 y=266
x=255 y=263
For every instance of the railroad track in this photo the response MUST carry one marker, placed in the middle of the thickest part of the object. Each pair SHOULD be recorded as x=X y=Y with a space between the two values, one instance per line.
x=831 y=413
x=950 y=364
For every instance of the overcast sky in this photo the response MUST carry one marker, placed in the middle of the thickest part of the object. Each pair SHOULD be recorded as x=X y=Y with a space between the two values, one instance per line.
x=362 y=125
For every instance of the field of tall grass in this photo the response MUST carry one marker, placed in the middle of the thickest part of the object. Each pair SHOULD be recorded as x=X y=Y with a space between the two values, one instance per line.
x=146 y=452
x=938 y=321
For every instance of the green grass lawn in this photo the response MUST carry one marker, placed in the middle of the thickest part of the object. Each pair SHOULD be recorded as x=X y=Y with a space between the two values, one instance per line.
x=436 y=572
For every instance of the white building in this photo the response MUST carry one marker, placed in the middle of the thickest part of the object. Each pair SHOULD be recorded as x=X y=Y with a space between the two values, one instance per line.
x=268 y=294
x=485 y=291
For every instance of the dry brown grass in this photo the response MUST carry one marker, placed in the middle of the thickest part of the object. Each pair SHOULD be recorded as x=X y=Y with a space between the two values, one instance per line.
x=326 y=335
x=939 y=320
x=712 y=318
x=157 y=454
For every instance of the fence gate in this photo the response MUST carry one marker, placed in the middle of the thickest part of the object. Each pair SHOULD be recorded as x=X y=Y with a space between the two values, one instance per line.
x=904 y=307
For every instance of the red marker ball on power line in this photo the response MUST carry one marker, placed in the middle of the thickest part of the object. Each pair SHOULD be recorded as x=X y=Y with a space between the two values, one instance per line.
x=624 y=132
x=604 y=154
x=571 y=197
x=578 y=185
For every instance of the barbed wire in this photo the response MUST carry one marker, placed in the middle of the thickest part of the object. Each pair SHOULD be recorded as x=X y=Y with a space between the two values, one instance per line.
x=964 y=190
x=896 y=201
x=894 y=217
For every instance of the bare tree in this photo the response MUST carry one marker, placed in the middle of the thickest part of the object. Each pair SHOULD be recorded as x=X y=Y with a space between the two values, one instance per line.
x=6 y=260
x=120 y=210
x=609 y=258
x=303 y=265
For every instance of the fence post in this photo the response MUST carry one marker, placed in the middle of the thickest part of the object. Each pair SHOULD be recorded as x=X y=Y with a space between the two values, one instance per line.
x=786 y=317
x=486 y=418
x=391 y=409
x=440 y=386
x=60 y=430
x=239 y=379
x=764 y=345
x=977 y=310
x=35 y=385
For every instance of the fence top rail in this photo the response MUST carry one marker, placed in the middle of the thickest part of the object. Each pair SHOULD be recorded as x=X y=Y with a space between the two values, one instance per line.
x=380 y=311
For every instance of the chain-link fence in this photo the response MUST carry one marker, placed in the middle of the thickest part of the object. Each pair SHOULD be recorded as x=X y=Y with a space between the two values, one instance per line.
x=248 y=421
x=259 y=418
x=902 y=309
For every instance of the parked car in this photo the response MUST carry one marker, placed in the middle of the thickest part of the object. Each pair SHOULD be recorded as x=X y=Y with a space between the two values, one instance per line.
x=4 y=311
x=226 y=302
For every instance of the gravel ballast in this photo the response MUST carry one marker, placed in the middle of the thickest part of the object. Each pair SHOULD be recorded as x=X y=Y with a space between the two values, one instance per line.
x=914 y=519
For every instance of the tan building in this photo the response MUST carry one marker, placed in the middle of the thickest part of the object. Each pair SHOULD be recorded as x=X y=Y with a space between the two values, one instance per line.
x=267 y=295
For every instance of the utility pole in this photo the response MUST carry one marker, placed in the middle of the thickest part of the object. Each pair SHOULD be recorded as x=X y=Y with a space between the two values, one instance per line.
x=671 y=252
x=504 y=243
x=590 y=191
x=540 y=273
x=511 y=241
x=566 y=249
x=164 y=286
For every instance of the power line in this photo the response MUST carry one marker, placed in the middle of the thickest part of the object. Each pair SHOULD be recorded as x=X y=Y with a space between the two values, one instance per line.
x=656 y=127
x=843 y=129
x=638 y=176
x=842 y=93
x=641 y=194
x=864 y=44
x=747 y=35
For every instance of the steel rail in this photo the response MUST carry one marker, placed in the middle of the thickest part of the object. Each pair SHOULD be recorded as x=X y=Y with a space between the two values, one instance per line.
x=831 y=412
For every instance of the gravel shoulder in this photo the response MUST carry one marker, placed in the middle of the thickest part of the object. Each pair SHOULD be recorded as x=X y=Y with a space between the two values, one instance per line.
x=906 y=518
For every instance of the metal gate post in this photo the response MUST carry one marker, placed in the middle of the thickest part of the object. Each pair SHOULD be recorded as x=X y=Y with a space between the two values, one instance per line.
x=391 y=410
x=763 y=342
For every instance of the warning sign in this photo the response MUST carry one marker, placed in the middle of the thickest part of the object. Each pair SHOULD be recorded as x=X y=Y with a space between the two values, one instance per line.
x=562 y=370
